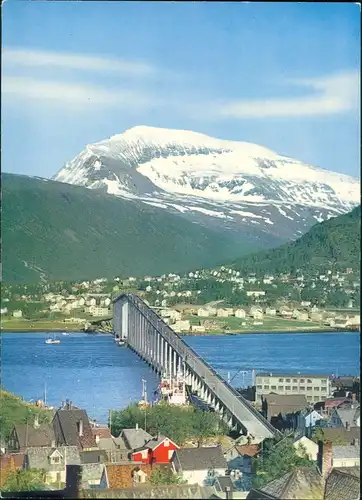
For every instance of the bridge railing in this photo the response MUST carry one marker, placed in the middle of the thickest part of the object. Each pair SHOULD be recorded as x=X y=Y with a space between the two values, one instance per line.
x=185 y=350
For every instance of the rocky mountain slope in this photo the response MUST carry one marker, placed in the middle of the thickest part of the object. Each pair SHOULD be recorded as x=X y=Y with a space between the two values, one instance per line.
x=226 y=185
x=54 y=231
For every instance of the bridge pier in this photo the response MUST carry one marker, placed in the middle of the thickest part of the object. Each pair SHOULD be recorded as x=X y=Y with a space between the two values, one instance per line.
x=155 y=342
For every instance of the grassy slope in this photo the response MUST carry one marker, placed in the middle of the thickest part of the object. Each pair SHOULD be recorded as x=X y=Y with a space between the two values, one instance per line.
x=15 y=411
x=72 y=233
x=336 y=241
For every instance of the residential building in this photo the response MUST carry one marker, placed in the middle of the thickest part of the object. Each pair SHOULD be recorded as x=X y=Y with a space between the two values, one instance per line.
x=285 y=312
x=316 y=316
x=223 y=484
x=270 y=311
x=255 y=293
x=343 y=483
x=330 y=455
x=346 y=417
x=18 y=313
x=128 y=474
x=240 y=313
x=314 y=387
x=247 y=452
x=256 y=312
x=203 y=312
x=135 y=438
x=303 y=482
x=305 y=446
x=24 y=436
x=155 y=451
x=72 y=428
x=53 y=460
x=181 y=326
x=198 y=328
x=223 y=313
x=199 y=465
x=4 y=310
x=300 y=315
x=340 y=435
x=306 y=420
x=274 y=405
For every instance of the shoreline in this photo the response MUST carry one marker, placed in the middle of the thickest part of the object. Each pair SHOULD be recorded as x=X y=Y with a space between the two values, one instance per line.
x=290 y=331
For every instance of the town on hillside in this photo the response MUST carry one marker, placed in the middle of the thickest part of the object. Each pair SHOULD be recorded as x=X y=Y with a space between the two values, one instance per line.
x=220 y=300
x=173 y=449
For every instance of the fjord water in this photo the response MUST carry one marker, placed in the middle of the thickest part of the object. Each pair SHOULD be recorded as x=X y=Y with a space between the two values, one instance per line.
x=96 y=374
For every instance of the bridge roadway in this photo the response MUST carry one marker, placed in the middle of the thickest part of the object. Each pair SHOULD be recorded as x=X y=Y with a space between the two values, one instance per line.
x=155 y=342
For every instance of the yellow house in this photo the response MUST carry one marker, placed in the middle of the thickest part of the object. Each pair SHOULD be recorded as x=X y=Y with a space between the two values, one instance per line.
x=305 y=446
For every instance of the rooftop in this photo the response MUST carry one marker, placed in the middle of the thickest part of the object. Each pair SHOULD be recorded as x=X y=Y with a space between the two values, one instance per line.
x=291 y=375
x=346 y=451
x=343 y=483
x=201 y=458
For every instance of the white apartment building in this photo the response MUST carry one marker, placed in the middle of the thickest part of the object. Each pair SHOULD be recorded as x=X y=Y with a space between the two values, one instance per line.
x=314 y=387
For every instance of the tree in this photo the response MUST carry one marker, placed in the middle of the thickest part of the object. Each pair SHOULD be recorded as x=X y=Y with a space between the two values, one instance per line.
x=25 y=480
x=275 y=460
x=166 y=477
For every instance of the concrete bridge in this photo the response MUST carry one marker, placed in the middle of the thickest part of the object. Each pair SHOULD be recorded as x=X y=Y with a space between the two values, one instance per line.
x=157 y=344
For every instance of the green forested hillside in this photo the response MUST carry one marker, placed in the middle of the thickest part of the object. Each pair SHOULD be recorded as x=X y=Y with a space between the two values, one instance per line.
x=335 y=242
x=63 y=232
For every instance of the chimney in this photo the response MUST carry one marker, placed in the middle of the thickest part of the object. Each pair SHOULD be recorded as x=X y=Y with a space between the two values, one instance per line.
x=348 y=428
x=97 y=438
x=353 y=397
x=324 y=458
x=356 y=442
x=36 y=421
x=80 y=428
x=137 y=427
x=73 y=480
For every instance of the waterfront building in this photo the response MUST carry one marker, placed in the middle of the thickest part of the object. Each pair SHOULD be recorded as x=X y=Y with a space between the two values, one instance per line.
x=314 y=387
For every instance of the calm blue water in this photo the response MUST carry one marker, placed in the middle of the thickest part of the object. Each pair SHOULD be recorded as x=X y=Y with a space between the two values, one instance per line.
x=96 y=374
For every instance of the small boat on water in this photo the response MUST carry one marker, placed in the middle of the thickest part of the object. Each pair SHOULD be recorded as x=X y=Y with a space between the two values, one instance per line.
x=52 y=341
x=65 y=333
x=121 y=343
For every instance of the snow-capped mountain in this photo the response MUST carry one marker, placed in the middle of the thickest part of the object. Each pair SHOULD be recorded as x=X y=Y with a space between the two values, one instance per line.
x=228 y=183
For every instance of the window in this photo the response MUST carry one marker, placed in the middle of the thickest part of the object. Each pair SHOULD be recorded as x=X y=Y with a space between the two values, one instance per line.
x=309 y=398
x=316 y=398
x=273 y=387
x=324 y=381
x=287 y=380
x=295 y=388
x=281 y=380
x=316 y=388
x=295 y=380
x=302 y=388
x=166 y=443
x=309 y=388
x=266 y=387
x=309 y=381
x=55 y=460
x=324 y=389
x=259 y=386
x=280 y=388
x=302 y=380
x=287 y=388
x=58 y=477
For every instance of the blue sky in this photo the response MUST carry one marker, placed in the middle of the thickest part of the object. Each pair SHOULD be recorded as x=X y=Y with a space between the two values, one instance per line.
x=280 y=75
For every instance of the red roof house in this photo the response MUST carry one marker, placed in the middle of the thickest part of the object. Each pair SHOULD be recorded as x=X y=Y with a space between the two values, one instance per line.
x=155 y=451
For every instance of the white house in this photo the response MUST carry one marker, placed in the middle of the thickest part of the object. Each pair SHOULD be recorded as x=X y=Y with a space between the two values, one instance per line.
x=269 y=311
x=4 y=310
x=240 y=313
x=256 y=313
x=181 y=326
x=223 y=313
x=199 y=465
x=18 y=313
x=255 y=293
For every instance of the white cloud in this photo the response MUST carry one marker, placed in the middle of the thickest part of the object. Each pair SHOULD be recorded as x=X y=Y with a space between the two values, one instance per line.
x=21 y=58
x=326 y=96
x=66 y=93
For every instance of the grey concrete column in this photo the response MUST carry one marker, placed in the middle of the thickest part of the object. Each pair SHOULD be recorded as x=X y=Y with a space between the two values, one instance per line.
x=174 y=363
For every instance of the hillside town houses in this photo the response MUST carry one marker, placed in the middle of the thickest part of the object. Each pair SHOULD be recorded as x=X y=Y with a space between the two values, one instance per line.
x=181 y=302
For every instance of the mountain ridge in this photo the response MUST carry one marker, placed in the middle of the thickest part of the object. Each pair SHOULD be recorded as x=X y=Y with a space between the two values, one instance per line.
x=221 y=184
x=55 y=231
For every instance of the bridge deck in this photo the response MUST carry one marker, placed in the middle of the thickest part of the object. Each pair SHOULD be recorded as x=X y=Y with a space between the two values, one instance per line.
x=239 y=407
